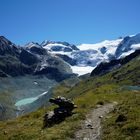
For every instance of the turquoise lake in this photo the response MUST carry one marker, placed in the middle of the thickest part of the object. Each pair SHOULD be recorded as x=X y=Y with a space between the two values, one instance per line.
x=26 y=101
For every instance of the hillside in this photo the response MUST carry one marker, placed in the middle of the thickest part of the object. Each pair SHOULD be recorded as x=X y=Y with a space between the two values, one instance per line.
x=121 y=85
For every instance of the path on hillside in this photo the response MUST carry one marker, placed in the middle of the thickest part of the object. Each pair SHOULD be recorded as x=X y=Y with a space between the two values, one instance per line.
x=91 y=127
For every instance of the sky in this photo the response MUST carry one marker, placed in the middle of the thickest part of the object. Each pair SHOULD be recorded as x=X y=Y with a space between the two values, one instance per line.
x=74 y=21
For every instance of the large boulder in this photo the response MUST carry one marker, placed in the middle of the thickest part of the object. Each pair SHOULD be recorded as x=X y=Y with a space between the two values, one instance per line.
x=59 y=114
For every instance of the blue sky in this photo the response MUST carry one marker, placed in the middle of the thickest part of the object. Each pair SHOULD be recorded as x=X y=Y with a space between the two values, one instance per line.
x=75 y=21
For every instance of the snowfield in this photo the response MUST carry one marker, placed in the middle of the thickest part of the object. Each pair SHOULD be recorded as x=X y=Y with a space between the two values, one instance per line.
x=88 y=56
x=107 y=43
x=82 y=70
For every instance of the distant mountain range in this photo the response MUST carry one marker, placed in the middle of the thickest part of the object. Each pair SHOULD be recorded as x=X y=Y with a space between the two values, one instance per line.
x=86 y=57
x=58 y=59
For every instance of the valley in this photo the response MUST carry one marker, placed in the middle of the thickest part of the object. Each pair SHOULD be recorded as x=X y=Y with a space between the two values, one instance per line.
x=32 y=74
x=19 y=91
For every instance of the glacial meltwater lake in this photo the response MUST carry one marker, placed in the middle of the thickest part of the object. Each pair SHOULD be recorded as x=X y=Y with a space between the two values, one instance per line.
x=24 y=94
x=30 y=100
x=25 y=101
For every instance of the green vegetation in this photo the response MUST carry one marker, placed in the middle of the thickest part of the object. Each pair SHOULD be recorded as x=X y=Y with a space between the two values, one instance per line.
x=86 y=95
x=129 y=129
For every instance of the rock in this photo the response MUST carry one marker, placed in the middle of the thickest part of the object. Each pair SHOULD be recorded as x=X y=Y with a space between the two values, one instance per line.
x=2 y=74
x=7 y=47
x=63 y=103
x=35 y=48
x=100 y=103
x=59 y=114
x=5 y=132
x=68 y=59
x=121 y=118
x=28 y=58
x=100 y=117
x=89 y=126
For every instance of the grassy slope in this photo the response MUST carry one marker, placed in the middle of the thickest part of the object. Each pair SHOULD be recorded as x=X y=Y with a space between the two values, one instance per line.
x=86 y=95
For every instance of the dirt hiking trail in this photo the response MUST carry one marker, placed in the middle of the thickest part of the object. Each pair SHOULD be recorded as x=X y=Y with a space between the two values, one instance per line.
x=91 y=126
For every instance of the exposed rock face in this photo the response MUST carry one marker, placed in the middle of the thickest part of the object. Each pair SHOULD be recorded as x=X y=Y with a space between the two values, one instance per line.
x=2 y=74
x=59 y=114
x=121 y=118
x=7 y=47
x=52 y=73
x=67 y=59
x=103 y=50
x=28 y=58
x=11 y=66
x=35 y=48
x=32 y=59
x=2 y=109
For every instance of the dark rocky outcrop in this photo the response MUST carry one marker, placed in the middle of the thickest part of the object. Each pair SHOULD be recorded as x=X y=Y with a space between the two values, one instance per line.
x=121 y=118
x=2 y=74
x=105 y=67
x=35 y=48
x=2 y=109
x=59 y=114
x=39 y=51
x=103 y=50
x=7 y=47
x=53 y=73
x=11 y=66
x=28 y=58
x=67 y=59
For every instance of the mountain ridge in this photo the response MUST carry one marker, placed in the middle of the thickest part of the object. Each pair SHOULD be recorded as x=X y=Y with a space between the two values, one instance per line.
x=17 y=61
x=77 y=57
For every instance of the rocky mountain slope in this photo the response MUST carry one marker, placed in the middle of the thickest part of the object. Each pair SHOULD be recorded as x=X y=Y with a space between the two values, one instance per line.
x=31 y=59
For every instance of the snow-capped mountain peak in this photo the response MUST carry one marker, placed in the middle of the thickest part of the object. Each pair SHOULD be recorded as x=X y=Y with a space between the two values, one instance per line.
x=97 y=46
x=84 y=57
x=61 y=48
x=32 y=44
x=57 y=47
x=127 y=46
